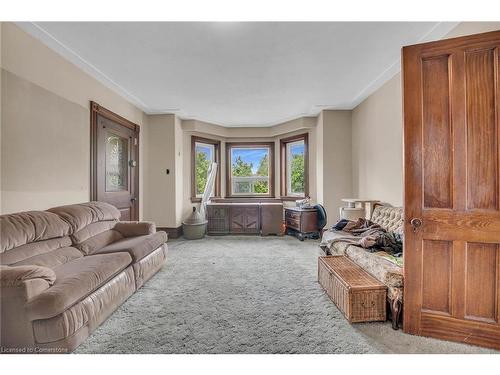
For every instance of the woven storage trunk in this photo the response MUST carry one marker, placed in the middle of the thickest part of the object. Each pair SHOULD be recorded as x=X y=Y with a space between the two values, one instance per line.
x=359 y=296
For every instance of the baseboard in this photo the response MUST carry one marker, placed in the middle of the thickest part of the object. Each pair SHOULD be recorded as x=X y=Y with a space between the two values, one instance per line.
x=172 y=232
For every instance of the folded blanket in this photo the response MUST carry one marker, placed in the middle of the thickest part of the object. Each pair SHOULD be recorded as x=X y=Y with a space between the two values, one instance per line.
x=370 y=236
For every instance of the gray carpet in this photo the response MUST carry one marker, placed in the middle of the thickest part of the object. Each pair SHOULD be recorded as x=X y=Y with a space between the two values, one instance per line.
x=245 y=295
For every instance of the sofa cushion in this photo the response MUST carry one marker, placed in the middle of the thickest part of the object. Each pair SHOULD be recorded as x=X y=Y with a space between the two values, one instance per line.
x=97 y=242
x=32 y=226
x=78 y=216
x=93 y=229
x=87 y=313
x=74 y=281
x=389 y=218
x=135 y=228
x=53 y=258
x=149 y=265
x=29 y=250
x=379 y=267
x=138 y=247
x=14 y=276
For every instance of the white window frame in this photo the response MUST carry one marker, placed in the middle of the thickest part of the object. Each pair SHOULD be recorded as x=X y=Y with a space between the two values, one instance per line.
x=212 y=149
x=230 y=179
x=288 y=150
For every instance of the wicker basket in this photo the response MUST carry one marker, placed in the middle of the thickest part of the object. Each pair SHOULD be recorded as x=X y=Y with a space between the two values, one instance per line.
x=358 y=295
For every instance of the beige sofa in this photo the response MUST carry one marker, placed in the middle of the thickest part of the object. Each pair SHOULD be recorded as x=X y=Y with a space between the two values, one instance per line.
x=378 y=264
x=65 y=270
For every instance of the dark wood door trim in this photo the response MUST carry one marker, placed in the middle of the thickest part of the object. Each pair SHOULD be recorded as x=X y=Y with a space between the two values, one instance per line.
x=98 y=110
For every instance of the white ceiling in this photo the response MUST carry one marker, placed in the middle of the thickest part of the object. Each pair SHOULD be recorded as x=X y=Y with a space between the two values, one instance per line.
x=238 y=74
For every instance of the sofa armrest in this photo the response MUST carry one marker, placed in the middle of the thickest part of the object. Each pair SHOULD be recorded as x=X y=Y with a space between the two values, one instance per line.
x=18 y=285
x=135 y=228
x=27 y=281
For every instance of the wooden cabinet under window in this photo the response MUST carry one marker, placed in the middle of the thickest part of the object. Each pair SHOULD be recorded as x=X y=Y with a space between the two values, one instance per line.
x=218 y=219
x=244 y=218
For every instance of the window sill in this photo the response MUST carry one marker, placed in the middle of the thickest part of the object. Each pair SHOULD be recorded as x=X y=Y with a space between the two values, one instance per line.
x=291 y=198
x=198 y=200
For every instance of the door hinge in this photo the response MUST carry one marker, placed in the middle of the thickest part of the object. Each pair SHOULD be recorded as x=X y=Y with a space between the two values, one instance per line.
x=135 y=141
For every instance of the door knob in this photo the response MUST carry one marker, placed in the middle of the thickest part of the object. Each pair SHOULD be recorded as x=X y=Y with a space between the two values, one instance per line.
x=133 y=199
x=416 y=223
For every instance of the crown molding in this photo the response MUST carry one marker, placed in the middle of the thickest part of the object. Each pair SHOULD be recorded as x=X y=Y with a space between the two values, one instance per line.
x=72 y=56
x=440 y=30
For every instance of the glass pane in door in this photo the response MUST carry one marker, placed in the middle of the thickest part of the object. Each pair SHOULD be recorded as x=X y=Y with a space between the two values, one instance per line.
x=116 y=162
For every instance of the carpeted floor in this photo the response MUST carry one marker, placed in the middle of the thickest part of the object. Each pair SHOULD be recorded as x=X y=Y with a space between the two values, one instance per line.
x=245 y=295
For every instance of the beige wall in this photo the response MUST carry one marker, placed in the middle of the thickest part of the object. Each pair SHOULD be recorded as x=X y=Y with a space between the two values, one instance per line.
x=337 y=177
x=377 y=153
x=160 y=188
x=45 y=140
x=377 y=164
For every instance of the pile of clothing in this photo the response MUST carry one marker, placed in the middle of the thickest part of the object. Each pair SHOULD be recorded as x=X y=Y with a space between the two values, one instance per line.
x=370 y=236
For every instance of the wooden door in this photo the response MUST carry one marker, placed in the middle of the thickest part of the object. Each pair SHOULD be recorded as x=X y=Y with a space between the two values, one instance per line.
x=452 y=189
x=115 y=161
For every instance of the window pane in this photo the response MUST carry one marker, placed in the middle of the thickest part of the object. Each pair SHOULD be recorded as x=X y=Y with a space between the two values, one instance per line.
x=295 y=168
x=250 y=170
x=116 y=162
x=204 y=157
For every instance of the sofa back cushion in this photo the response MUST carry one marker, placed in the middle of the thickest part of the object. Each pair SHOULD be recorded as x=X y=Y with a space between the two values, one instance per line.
x=389 y=218
x=92 y=224
x=27 y=234
x=26 y=227
x=79 y=216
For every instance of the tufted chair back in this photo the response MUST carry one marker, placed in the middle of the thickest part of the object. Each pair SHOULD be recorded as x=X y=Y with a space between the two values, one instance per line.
x=389 y=218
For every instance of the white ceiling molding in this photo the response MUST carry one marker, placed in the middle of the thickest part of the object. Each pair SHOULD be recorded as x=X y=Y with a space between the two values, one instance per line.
x=244 y=74
x=50 y=41
x=436 y=33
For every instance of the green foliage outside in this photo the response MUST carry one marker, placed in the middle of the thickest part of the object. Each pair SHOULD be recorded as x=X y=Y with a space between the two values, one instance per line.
x=261 y=187
x=202 y=164
x=242 y=169
x=297 y=173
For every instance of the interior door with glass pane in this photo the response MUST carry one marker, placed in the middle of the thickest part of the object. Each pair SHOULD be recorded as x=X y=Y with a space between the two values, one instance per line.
x=116 y=165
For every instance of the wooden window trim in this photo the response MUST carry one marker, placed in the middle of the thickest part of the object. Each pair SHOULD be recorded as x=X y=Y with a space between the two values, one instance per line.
x=283 y=164
x=216 y=144
x=231 y=145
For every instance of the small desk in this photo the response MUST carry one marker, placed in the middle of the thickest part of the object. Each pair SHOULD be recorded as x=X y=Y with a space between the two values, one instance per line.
x=302 y=222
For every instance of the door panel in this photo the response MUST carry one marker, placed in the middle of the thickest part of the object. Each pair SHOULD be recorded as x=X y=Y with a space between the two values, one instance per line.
x=436 y=267
x=437 y=146
x=114 y=165
x=482 y=134
x=481 y=285
x=452 y=172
